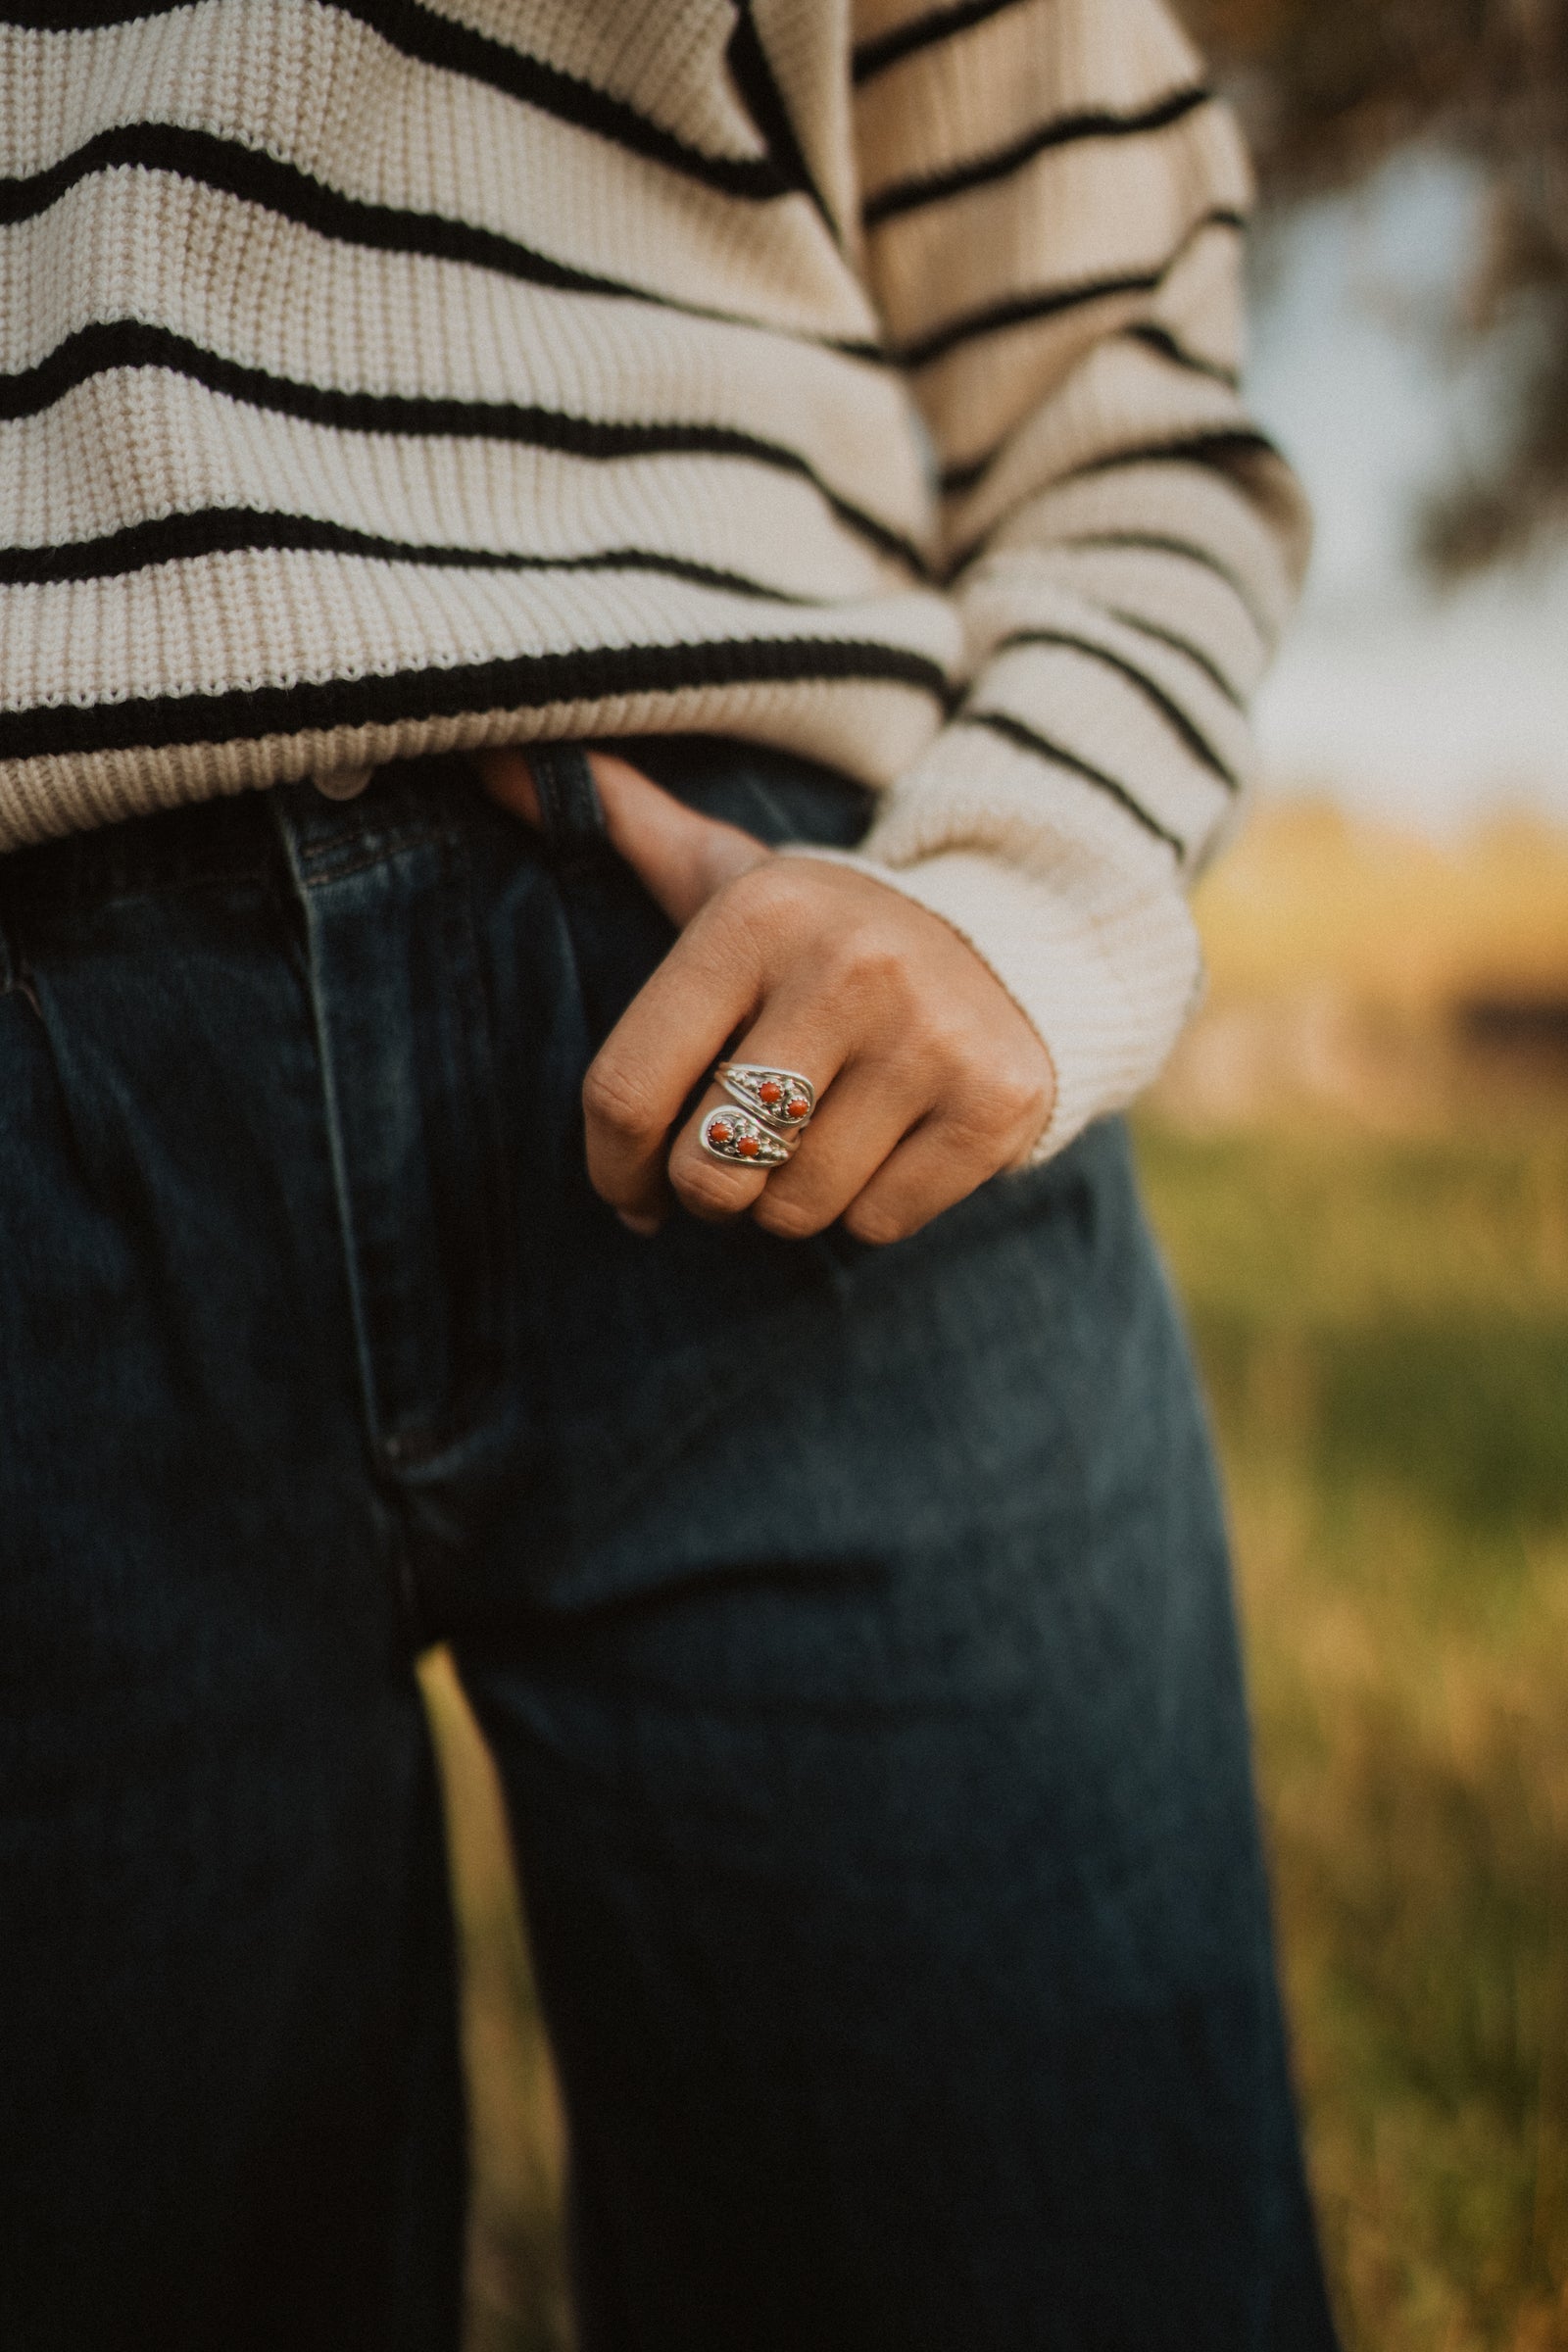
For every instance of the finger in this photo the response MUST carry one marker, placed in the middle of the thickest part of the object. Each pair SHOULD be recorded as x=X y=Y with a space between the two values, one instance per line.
x=797 y=1032
x=714 y=1190
x=803 y=1027
x=864 y=1116
x=706 y=991
x=937 y=1166
x=680 y=857
x=508 y=778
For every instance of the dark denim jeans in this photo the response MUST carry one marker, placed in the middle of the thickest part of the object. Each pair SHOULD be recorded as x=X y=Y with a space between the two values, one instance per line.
x=851 y=1629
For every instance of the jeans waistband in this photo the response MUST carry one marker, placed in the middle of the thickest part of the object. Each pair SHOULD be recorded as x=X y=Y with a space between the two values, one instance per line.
x=230 y=838
x=407 y=801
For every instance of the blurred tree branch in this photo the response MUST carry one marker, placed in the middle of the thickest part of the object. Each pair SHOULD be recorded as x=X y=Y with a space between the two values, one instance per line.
x=1330 y=89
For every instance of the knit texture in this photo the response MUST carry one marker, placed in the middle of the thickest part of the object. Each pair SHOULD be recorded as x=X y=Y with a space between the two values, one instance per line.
x=861 y=379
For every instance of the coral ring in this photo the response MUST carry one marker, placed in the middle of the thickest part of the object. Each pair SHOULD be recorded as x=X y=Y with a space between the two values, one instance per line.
x=781 y=1099
x=744 y=1141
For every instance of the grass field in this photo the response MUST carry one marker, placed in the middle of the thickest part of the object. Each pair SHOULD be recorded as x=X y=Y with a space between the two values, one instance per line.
x=1381 y=1309
x=1384 y=1331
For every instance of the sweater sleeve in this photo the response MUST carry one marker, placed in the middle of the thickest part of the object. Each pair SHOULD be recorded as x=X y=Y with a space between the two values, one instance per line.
x=1051 y=208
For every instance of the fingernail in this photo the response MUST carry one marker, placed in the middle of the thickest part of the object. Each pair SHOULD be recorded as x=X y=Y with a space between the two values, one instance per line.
x=643 y=1227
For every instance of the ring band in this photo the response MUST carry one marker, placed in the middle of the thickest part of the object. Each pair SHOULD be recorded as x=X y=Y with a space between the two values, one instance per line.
x=745 y=1141
x=782 y=1100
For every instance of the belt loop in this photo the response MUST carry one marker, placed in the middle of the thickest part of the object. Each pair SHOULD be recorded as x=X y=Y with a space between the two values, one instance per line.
x=569 y=810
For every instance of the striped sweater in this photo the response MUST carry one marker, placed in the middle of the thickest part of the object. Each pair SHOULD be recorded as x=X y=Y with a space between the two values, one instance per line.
x=857 y=376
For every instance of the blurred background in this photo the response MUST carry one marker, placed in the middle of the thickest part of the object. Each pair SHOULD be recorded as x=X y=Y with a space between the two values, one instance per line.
x=1359 y=1165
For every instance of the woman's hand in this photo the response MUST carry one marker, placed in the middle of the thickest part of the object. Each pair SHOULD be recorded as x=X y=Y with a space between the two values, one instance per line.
x=928 y=1077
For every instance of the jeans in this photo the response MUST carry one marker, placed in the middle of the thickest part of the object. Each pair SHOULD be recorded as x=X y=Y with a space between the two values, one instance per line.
x=851 y=1629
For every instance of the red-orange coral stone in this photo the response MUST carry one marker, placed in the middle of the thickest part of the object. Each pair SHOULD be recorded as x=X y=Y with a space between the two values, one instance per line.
x=747 y=1146
x=720 y=1132
x=769 y=1090
x=796 y=1106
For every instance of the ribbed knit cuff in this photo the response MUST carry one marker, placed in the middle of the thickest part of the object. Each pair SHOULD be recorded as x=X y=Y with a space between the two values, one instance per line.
x=1108 y=991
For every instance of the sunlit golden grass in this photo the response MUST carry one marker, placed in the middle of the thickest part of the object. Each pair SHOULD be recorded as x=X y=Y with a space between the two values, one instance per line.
x=1368 y=1221
x=517 y=2286
x=1370 y=1230
x=1309 y=896
x=1384 y=1329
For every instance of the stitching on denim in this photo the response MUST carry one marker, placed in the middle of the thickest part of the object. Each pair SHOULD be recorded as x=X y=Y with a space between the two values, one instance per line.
x=569 y=808
x=338 y=862
x=483 y=1060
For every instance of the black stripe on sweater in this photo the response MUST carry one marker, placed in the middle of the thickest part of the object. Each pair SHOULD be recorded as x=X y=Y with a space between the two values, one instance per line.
x=1184 y=646
x=452 y=47
x=956 y=481
x=133 y=343
x=239 y=530
x=1013 y=731
x=752 y=72
x=1209 y=448
x=520 y=682
x=1187 y=551
x=1159 y=339
x=1050 y=302
x=1170 y=710
x=256 y=177
x=874 y=57
x=910 y=195
x=1210 y=451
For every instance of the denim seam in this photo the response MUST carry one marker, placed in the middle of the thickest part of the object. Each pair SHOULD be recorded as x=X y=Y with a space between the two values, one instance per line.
x=334 y=862
x=336 y=1152
x=407 y=1450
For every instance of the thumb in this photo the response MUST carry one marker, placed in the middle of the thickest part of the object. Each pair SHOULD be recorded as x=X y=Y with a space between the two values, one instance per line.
x=680 y=857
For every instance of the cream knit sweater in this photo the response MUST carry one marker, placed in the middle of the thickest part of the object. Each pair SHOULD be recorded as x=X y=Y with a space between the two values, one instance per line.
x=852 y=375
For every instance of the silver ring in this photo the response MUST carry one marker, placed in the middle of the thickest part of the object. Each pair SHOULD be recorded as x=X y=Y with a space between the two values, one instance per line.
x=743 y=1141
x=782 y=1100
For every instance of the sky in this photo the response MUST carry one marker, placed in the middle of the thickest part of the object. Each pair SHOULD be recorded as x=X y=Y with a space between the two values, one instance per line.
x=1431 y=710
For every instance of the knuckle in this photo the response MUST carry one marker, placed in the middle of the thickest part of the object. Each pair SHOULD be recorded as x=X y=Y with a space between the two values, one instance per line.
x=1001 y=1102
x=766 y=899
x=708 y=1192
x=975 y=1144
x=615 y=1097
x=1028 y=1095
x=877 y=965
x=945 y=1054
x=773 y=882
x=786 y=1216
x=875 y=1222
